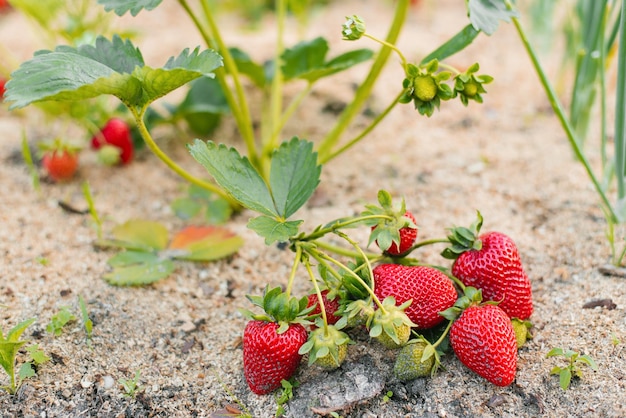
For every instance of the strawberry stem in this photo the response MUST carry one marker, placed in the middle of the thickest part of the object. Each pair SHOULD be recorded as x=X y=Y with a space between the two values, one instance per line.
x=145 y=134
x=342 y=224
x=389 y=45
x=294 y=268
x=318 y=292
x=346 y=252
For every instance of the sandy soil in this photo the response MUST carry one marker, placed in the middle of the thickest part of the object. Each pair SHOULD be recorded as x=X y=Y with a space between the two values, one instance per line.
x=507 y=158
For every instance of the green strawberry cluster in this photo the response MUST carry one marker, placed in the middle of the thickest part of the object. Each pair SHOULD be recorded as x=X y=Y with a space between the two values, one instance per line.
x=478 y=307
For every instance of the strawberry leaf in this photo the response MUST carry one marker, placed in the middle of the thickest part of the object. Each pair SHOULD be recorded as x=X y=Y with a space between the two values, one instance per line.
x=140 y=234
x=306 y=60
x=294 y=175
x=235 y=174
x=112 y=67
x=272 y=229
x=137 y=268
x=455 y=44
x=205 y=243
x=485 y=15
x=120 y=7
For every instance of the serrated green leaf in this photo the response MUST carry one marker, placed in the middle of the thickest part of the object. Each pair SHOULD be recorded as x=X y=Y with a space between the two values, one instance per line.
x=273 y=230
x=235 y=174
x=120 y=7
x=113 y=67
x=149 y=235
x=294 y=175
x=485 y=15
x=455 y=44
x=37 y=354
x=26 y=370
x=255 y=72
x=307 y=60
x=140 y=274
x=16 y=332
x=303 y=57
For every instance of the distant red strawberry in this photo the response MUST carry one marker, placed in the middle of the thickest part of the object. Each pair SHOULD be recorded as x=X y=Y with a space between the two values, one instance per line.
x=3 y=81
x=393 y=229
x=484 y=341
x=269 y=357
x=491 y=262
x=5 y=7
x=331 y=306
x=115 y=132
x=59 y=159
x=60 y=165
x=430 y=290
x=408 y=235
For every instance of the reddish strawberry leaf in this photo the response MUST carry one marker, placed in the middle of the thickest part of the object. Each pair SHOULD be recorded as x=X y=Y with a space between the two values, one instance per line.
x=205 y=243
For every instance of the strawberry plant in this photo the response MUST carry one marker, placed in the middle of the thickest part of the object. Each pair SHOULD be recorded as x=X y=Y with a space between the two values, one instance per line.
x=572 y=369
x=114 y=66
x=10 y=344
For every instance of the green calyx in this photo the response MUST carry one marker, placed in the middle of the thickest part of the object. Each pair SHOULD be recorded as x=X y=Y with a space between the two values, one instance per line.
x=326 y=346
x=353 y=28
x=425 y=87
x=279 y=307
x=358 y=312
x=464 y=239
x=390 y=325
x=471 y=296
x=470 y=86
x=522 y=331
x=386 y=221
x=58 y=145
x=418 y=358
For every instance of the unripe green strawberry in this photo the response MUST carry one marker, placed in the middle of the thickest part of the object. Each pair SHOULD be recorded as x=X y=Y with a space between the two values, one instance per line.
x=522 y=332
x=329 y=362
x=409 y=364
x=470 y=88
x=425 y=87
x=484 y=341
x=403 y=332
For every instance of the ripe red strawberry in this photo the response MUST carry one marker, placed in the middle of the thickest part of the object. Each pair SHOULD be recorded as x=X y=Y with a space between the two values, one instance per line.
x=394 y=230
x=116 y=133
x=491 y=262
x=484 y=341
x=61 y=165
x=430 y=290
x=3 y=81
x=269 y=357
x=272 y=340
x=4 y=6
x=408 y=235
x=331 y=306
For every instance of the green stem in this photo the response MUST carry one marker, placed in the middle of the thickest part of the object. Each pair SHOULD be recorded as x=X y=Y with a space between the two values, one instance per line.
x=338 y=225
x=344 y=251
x=293 y=105
x=389 y=45
x=276 y=94
x=318 y=292
x=620 y=108
x=560 y=113
x=428 y=242
x=240 y=109
x=365 y=132
x=322 y=258
x=364 y=90
x=145 y=134
x=294 y=269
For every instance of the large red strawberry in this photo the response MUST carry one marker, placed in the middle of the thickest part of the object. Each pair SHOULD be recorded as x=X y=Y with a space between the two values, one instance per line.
x=394 y=230
x=117 y=134
x=483 y=339
x=430 y=290
x=271 y=340
x=3 y=82
x=270 y=357
x=491 y=262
